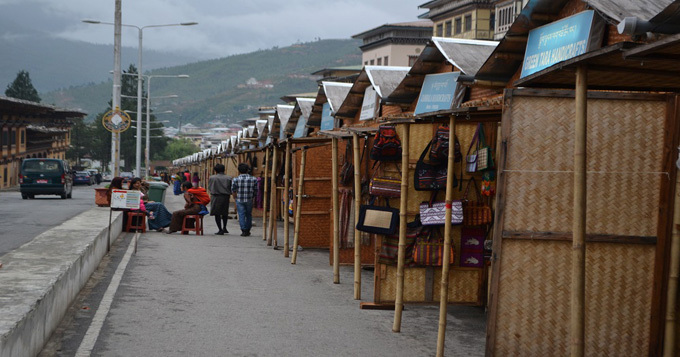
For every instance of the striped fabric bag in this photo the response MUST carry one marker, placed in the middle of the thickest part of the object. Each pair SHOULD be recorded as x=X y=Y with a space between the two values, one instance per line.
x=428 y=250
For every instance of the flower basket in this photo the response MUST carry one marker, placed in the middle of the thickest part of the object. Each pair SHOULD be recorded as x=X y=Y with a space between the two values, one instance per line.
x=101 y=197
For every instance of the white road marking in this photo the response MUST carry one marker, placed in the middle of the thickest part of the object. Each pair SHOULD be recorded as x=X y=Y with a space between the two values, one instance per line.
x=92 y=334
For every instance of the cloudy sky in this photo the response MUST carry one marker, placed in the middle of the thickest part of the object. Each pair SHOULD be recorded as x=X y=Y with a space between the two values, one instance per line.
x=225 y=26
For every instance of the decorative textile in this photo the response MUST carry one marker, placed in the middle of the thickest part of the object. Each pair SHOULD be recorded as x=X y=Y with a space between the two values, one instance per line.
x=475 y=213
x=428 y=250
x=386 y=144
x=390 y=245
x=162 y=216
x=434 y=213
x=258 y=202
x=346 y=229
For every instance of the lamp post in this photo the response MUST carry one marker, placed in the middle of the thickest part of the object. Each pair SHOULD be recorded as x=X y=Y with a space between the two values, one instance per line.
x=138 y=153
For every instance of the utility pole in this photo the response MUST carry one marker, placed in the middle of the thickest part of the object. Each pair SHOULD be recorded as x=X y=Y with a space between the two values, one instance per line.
x=115 y=103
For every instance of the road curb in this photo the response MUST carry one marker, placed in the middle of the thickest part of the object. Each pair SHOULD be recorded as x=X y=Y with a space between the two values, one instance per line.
x=40 y=279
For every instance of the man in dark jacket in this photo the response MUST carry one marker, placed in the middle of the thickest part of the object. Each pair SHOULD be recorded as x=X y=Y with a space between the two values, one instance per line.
x=220 y=190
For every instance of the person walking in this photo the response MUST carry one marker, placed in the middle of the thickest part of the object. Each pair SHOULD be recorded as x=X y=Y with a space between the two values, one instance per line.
x=244 y=189
x=219 y=186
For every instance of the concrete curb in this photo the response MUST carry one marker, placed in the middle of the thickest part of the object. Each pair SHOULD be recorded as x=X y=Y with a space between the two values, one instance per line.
x=40 y=279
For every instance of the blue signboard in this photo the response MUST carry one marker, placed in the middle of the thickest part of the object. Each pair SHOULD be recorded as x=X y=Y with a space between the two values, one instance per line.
x=327 y=121
x=437 y=92
x=557 y=42
x=301 y=128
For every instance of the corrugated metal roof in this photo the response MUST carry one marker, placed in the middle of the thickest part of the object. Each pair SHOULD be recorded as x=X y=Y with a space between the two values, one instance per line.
x=336 y=92
x=385 y=78
x=618 y=9
x=262 y=128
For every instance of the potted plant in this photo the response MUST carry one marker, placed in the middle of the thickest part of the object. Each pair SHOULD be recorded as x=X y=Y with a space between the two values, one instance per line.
x=101 y=196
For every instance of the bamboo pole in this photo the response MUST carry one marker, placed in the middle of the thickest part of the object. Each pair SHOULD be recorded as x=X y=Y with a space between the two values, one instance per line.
x=403 y=207
x=672 y=300
x=446 y=264
x=578 y=253
x=336 y=213
x=298 y=209
x=286 y=188
x=272 y=191
x=266 y=194
x=357 y=203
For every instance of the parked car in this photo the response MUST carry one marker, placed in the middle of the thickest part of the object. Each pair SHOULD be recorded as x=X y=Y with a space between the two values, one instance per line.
x=45 y=177
x=83 y=177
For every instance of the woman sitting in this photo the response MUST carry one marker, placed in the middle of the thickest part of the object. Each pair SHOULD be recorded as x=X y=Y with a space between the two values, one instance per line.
x=192 y=206
x=159 y=216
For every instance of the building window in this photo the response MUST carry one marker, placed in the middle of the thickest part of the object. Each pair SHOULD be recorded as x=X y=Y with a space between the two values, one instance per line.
x=4 y=177
x=23 y=137
x=13 y=138
x=366 y=63
x=458 y=25
x=468 y=23
x=372 y=62
x=412 y=60
x=386 y=61
x=440 y=30
x=505 y=16
x=447 y=29
x=379 y=61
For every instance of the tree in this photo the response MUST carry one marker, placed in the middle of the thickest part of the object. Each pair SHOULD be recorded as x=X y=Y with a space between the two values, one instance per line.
x=178 y=148
x=22 y=88
x=81 y=139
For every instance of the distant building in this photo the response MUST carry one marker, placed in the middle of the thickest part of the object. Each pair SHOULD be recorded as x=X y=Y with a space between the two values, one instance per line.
x=396 y=44
x=31 y=130
x=470 y=19
x=345 y=74
x=505 y=13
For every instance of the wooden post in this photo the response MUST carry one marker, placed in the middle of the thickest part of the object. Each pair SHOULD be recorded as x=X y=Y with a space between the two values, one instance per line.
x=336 y=213
x=357 y=203
x=266 y=194
x=446 y=264
x=403 y=216
x=286 y=188
x=273 y=204
x=298 y=208
x=671 y=301
x=578 y=253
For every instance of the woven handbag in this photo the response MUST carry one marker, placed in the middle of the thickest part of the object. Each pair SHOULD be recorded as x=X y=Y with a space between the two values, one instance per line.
x=378 y=219
x=390 y=245
x=385 y=187
x=434 y=213
x=430 y=177
x=483 y=153
x=475 y=213
x=428 y=250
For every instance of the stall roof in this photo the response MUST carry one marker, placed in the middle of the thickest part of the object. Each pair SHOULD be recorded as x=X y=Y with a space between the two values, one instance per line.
x=303 y=107
x=384 y=80
x=280 y=119
x=466 y=55
x=508 y=56
x=262 y=128
x=622 y=66
x=292 y=97
x=332 y=92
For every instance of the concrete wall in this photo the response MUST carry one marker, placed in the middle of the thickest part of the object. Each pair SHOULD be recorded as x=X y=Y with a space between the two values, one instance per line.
x=40 y=279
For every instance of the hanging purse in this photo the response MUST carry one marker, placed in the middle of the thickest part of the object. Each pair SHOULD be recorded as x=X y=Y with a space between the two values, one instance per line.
x=430 y=177
x=386 y=144
x=484 y=155
x=390 y=245
x=433 y=213
x=471 y=159
x=378 y=219
x=384 y=186
x=347 y=170
x=475 y=213
x=429 y=250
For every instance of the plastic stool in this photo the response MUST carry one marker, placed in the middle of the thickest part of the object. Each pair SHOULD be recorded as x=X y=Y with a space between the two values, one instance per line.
x=141 y=221
x=198 y=224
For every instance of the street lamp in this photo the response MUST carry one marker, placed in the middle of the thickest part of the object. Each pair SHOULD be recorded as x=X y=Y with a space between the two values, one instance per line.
x=138 y=153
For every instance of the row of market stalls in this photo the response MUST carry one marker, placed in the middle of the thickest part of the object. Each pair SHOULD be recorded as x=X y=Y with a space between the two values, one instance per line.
x=580 y=124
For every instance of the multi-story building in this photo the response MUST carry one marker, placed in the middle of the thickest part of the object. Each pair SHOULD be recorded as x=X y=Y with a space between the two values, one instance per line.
x=472 y=19
x=396 y=44
x=31 y=130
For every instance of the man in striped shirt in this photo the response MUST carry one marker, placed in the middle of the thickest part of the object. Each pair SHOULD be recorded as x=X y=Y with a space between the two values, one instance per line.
x=244 y=189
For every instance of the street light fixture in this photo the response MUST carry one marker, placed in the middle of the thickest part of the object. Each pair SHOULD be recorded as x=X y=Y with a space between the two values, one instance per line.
x=138 y=154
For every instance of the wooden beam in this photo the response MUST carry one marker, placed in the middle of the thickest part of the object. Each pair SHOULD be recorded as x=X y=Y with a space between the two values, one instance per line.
x=590 y=238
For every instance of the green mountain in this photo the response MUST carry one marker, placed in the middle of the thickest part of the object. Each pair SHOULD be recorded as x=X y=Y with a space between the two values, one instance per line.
x=228 y=89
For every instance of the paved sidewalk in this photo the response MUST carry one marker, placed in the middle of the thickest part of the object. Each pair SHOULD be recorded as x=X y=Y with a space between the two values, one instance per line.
x=234 y=296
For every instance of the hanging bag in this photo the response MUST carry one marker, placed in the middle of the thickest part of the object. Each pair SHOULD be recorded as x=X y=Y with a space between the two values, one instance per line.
x=378 y=219
x=386 y=144
x=434 y=213
x=430 y=177
x=484 y=155
x=439 y=152
x=384 y=186
x=429 y=250
x=471 y=159
x=475 y=213
x=390 y=245
x=347 y=171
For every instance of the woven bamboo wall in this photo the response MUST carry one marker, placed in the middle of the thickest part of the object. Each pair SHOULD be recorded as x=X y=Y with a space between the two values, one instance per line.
x=625 y=140
x=315 y=228
x=464 y=285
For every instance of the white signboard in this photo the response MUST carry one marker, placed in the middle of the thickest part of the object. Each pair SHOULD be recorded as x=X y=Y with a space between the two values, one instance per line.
x=125 y=199
x=368 y=107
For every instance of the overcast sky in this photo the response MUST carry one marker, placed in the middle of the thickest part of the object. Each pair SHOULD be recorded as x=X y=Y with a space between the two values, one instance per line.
x=225 y=27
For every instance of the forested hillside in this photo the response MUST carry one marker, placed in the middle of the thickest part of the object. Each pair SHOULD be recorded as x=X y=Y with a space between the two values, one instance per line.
x=217 y=88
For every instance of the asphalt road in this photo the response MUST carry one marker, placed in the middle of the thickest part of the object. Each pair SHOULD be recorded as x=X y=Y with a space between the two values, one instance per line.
x=234 y=296
x=22 y=220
